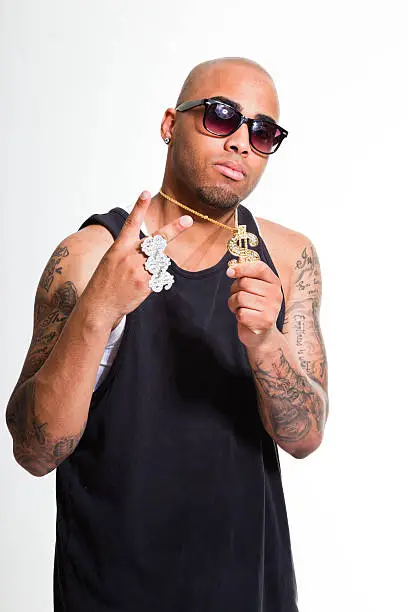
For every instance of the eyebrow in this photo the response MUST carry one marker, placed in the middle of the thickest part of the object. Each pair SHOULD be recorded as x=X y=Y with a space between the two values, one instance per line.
x=238 y=107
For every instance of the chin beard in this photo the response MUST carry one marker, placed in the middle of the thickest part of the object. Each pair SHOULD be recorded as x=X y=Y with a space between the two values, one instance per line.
x=217 y=197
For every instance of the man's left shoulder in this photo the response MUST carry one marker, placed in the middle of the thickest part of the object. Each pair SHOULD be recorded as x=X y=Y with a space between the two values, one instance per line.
x=292 y=253
x=285 y=245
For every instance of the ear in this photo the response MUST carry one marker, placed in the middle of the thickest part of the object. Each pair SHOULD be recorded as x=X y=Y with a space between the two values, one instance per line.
x=168 y=123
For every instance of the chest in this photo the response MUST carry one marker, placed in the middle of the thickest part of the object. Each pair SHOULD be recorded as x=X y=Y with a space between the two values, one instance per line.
x=210 y=252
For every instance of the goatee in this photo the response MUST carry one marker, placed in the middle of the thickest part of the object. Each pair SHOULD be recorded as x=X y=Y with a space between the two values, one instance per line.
x=217 y=197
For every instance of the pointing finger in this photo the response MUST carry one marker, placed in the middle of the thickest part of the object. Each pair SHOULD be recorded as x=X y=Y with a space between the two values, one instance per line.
x=131 y=227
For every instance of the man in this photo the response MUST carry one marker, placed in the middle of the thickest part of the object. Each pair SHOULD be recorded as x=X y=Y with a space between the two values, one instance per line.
x=169 y=493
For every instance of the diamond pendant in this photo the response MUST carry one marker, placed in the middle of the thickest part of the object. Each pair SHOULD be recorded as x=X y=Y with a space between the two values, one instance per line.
x=238 y=246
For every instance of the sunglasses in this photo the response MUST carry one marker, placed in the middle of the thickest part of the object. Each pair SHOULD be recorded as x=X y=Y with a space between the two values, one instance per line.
x=222 y=119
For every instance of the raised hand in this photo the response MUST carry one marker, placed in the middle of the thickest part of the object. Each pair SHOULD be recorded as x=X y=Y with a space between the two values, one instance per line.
x=120 y=283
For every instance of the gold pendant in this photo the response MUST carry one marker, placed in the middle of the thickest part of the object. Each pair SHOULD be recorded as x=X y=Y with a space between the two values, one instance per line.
x=235 y=246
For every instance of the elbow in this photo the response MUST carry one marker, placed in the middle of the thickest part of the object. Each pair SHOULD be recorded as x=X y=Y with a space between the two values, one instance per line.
x=303 y=450
x=307 y=446
x=33 y=471
x=37 y=471
x=32 y=463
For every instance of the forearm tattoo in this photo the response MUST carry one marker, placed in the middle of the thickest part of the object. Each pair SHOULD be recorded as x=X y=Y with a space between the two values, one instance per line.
x=302 y=317
x=34 y=447
x=291 y=405
x=288 y=403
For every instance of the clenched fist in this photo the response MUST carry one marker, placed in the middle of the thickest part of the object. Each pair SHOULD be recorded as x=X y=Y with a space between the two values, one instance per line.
x=255 y=300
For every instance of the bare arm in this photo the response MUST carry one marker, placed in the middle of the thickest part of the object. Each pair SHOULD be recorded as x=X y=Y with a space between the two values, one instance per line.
x=48 y=409
x=87 y=287
x=290 y=371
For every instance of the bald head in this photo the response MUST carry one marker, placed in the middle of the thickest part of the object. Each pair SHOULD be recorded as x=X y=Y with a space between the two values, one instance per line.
x=195 y=151
x=209 y=74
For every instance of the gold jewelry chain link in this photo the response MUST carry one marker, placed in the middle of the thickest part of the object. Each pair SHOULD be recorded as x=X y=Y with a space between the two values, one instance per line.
x=206 y=217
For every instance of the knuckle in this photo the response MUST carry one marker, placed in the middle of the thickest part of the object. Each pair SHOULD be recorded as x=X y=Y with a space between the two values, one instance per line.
x=240 y=314
x=244 y=283
x=269 y=320
x=139 y=280
x=240 y=298
x=260 y=301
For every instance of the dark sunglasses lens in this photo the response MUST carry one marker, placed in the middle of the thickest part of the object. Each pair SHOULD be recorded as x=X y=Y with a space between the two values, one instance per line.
x=221 y=119
x=266 y=136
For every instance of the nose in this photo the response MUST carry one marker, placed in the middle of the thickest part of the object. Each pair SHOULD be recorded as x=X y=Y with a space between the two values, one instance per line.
x=238 y=141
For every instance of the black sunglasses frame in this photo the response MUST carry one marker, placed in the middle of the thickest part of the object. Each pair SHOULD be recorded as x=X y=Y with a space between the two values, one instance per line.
x=250 y=122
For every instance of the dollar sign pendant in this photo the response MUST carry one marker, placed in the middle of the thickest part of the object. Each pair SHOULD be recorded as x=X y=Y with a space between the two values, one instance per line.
x=238 y=246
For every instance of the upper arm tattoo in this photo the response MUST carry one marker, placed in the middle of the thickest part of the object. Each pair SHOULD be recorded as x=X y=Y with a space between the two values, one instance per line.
x=53 y=267
x=308 y=279
x=50 y=316
x=34 y=448
x=51 y=310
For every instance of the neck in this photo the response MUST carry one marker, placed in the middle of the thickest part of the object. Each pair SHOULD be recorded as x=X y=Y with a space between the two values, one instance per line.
x=163 y=211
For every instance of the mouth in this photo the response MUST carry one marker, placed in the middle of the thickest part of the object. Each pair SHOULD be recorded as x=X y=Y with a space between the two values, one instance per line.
x=235 y=175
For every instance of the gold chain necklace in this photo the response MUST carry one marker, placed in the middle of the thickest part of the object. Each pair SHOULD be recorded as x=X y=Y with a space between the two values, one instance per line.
x=234 y=244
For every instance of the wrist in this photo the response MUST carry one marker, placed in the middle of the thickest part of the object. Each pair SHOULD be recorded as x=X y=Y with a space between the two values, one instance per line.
x=270 y=344
x=94 y=315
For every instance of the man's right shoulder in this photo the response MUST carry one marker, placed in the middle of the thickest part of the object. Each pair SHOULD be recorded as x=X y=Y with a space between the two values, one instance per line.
x=76 y=258
x=96 y=235
x=89 y=243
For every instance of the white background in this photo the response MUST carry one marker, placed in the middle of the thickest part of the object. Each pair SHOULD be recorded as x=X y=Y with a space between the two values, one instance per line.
x=76 y=79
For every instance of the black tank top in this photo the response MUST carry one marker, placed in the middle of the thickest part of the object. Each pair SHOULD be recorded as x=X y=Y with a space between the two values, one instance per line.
x=172 y=500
